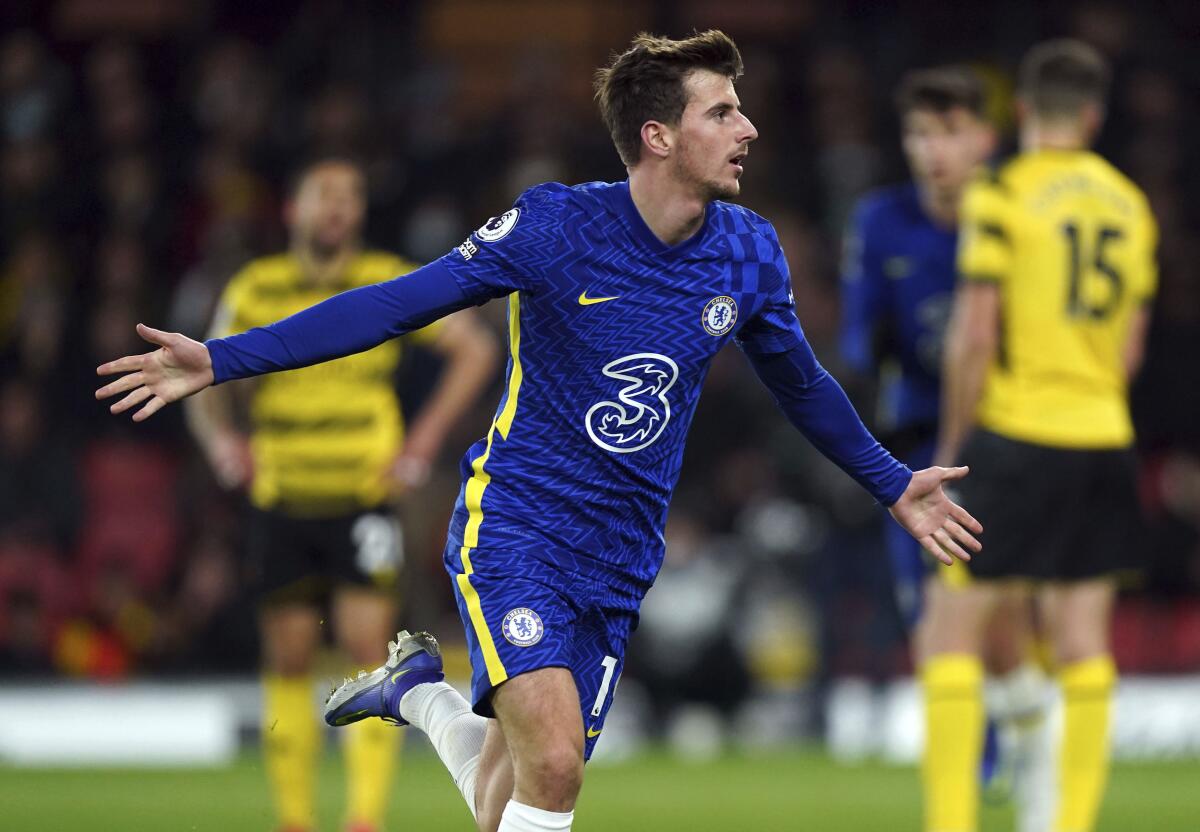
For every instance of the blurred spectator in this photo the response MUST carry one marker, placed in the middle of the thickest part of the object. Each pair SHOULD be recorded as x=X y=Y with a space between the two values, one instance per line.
x=686 y=652
x=39 y=494
x=33 y=89
x=33 y=299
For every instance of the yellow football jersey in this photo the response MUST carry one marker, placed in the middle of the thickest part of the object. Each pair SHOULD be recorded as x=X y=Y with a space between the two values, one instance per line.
x=1070 y=242
x=322 y=436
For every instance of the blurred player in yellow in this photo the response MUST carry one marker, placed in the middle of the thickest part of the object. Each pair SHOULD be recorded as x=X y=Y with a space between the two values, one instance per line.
x=1056 y=263
x=327 y=450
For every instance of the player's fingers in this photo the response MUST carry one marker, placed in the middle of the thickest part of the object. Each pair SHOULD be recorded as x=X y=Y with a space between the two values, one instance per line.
x=121 y=385
x=962 y=535
x=126 y=364
x=155 y=336
x=930 y=545
x=964 y=517
x=136 y=397
x=947 y=543
x=955 y=473
x=153 y=406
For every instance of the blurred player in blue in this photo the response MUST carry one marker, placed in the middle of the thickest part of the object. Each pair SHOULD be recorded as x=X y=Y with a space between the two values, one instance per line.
x=897 y=291
x=619 y=297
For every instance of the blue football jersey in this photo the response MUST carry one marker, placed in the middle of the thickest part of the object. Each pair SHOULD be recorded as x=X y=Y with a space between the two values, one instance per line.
x=897 y=292
x=611 y=334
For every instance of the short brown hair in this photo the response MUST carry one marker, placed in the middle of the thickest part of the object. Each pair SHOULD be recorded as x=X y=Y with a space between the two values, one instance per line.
x=645 y=82
x=941 y=89
x=301 y=173
x=1058 y=77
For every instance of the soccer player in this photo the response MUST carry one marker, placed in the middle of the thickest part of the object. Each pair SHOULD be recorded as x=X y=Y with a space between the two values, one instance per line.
x=326 y=451
x=1056 y=263
x=897 y=290
x=619 y=297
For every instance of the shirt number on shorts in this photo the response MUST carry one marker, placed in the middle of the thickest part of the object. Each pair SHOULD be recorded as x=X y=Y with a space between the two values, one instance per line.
x=378 y=542
x=610 y=667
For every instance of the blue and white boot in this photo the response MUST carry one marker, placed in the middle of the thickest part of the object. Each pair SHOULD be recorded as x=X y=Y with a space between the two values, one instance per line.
x=413 y=658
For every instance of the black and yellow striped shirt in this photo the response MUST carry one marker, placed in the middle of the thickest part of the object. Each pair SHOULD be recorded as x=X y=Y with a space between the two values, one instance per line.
x=323 y=436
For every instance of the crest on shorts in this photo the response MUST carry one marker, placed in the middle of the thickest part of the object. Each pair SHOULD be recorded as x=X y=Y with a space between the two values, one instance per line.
x=522 y=627
x=719 y=316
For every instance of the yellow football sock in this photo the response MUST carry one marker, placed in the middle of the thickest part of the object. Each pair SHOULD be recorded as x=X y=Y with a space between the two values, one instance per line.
x=371 y=748
x=953 y=688
x=1083 y=762
x=291 y=742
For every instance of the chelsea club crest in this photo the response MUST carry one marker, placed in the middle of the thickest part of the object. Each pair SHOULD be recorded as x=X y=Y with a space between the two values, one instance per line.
x=522 y=627
x=719 y=316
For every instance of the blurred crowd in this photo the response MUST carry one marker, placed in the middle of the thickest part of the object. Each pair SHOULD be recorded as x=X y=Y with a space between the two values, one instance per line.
x=144 y=156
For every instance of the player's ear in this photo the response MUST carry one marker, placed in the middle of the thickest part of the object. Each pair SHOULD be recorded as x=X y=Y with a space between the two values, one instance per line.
x=288 y=211
x=657 y=139
x=1021 y=108
x=1092 y=116
x=988 y=141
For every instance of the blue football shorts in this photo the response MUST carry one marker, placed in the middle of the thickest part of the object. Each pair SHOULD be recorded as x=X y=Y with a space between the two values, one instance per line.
x=522 y=614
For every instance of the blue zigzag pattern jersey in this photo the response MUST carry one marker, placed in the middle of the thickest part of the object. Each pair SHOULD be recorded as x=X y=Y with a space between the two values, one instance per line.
x=611 y=336
x=897 y=291
x=557 y=532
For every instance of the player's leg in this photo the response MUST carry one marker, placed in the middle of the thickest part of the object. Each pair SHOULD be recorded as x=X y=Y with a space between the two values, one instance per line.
x=496 y=780
x=1078 y=616
x=950 y=638
x=289 y=627
x=363 y=553
x=545 y=765
x=1018 y=697
x=363 y=621
x=1099 y=518
x=291 y=731
x=538 y=713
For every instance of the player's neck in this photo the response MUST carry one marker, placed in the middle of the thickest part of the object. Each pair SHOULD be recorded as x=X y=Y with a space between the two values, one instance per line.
x=1041 y=134
x=669 y=210
x=323 y=267
x=941 y=205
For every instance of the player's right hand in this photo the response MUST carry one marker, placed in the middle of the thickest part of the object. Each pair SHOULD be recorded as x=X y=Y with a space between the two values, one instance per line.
x=179 y=368
x=229 y=456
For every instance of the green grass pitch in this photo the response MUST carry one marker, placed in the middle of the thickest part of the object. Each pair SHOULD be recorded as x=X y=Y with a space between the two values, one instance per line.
x=779 y=792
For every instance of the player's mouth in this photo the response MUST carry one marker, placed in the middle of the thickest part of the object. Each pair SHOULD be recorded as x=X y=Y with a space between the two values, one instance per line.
x=737 y=160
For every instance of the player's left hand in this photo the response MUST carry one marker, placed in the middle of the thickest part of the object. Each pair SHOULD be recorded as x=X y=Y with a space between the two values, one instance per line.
x=408 y=472
x=940 y=525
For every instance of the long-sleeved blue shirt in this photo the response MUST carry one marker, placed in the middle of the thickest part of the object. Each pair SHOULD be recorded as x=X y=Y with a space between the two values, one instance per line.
x=611 y=334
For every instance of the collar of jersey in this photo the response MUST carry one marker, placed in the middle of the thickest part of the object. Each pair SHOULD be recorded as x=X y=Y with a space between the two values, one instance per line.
x=622 y=203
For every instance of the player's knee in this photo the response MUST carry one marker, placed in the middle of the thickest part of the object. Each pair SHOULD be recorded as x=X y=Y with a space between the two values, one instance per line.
x=554 y=775
x=1077 y=645
x=288 y=662
x=365 y=651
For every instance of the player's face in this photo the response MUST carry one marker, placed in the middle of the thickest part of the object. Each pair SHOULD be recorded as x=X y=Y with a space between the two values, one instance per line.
x=944 y=148
x=329 y=206
x=713 y=137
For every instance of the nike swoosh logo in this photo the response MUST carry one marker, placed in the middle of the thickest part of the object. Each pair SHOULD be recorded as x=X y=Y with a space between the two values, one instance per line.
x=584 y=300
x=398 y=674
x=592 y=732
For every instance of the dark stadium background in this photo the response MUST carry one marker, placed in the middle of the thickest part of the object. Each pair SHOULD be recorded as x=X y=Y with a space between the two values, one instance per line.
x=144 y=151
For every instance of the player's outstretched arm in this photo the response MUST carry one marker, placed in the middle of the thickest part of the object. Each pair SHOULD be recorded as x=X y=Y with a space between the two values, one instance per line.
x=177 y=369
x=945 y=529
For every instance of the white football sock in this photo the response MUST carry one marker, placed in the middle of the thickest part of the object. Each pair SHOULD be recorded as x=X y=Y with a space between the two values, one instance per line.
x=1021 y=702
x=518 y=817
x=454 y=729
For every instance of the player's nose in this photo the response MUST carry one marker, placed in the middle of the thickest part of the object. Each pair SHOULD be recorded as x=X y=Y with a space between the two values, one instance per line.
x=749 y=132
